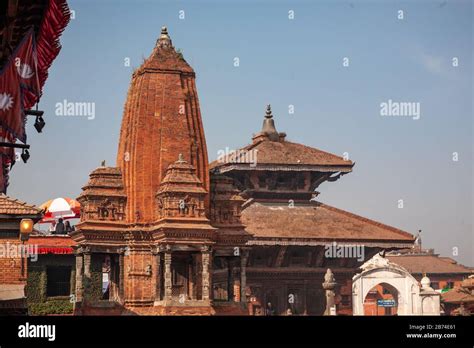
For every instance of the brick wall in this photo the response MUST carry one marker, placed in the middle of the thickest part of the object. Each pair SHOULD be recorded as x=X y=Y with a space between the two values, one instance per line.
x=10 y=266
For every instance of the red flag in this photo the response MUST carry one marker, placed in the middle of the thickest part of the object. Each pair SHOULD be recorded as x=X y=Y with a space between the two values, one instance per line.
x=12 y=117
x=26 y=64
x=7 y=159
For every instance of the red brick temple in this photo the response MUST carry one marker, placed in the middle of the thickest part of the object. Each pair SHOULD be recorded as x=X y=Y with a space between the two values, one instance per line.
x=183 y=236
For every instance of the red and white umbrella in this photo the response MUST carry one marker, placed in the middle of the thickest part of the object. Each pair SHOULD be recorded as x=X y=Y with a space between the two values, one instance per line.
x=65 y=208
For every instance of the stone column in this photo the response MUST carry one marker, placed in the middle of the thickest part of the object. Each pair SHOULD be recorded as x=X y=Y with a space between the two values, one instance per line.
x=157 y=276
x=205 y=273
x=87 y=264
x=79 y=275
x=329 y=285
x=87 y=275
x=168 y=281
x=243 y=276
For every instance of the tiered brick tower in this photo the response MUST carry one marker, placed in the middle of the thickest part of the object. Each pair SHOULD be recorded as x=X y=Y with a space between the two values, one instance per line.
x=149 y=217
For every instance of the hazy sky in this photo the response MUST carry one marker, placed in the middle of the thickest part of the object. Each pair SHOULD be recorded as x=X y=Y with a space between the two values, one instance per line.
x=286 y=62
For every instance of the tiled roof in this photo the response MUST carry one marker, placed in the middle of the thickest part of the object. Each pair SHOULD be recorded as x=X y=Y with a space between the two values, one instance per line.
x=286 y=153
x=10 y=206
x=429 y=264
x=317 y=221
x=269 y=147
x=459 y=294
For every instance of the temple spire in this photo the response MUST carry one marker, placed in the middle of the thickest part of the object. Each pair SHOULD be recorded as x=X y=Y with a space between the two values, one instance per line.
x=269 y=125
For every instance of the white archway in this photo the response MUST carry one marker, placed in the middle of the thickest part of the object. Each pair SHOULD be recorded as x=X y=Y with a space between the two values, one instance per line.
x=380 y=270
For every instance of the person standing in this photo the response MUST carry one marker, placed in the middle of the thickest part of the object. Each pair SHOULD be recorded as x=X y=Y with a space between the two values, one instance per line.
x=68 y=227
x=60 y=228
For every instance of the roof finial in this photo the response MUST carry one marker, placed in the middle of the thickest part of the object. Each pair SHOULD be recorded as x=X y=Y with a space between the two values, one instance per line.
x=269 y=125
x=164 y=40
x=268 y=113
x=180 y=159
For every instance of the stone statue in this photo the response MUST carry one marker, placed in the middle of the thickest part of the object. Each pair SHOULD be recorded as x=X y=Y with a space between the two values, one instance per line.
x=329 y=285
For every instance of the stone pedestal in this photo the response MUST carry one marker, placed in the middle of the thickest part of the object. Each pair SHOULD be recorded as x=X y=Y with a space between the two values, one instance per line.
x=429 y=298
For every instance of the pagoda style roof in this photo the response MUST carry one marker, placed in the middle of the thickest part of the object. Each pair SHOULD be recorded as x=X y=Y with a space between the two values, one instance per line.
x=11 y=206
x=428 y=263
x=317 y=223
x=271 y=151
x=287 y=153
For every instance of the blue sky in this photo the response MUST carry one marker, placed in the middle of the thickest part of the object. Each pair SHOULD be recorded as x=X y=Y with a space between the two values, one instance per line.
x=286 y=62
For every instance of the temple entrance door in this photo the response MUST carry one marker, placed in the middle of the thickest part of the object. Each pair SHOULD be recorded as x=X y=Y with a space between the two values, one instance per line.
x=185 y=276
x=114 y=285
x=179 y=277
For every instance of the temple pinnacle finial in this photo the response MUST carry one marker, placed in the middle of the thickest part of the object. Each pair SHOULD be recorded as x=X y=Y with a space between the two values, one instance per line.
x=164 y=40
x=268 y=113
x=269 y=125
x=180 y=159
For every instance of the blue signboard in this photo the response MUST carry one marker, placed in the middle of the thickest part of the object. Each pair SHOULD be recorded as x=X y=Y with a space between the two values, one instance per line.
x=386 y=303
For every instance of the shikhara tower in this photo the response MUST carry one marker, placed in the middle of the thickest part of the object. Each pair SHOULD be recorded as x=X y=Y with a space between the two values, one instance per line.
x=161 y=120
x=180 y=236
